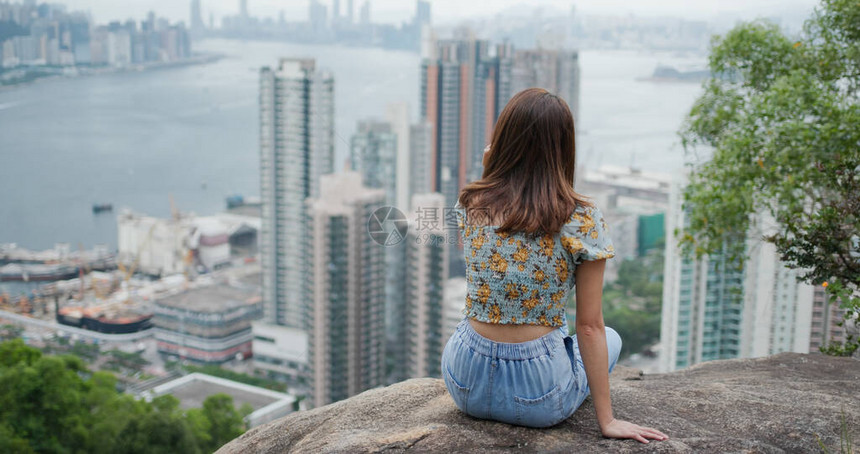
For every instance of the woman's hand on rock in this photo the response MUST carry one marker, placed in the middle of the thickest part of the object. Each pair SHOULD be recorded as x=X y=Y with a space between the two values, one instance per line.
x=623 y=429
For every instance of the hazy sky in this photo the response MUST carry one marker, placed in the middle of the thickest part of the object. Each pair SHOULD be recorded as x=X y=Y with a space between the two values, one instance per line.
x=448 y=11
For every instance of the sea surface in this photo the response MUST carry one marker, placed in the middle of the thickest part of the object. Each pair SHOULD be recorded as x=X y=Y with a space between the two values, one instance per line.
x=134 y=139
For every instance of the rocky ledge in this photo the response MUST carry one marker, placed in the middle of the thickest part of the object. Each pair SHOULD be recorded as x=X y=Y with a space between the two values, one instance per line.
x=781 y=403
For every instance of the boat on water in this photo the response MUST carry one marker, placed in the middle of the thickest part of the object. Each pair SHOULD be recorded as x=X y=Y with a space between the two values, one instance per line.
x=101 y=207
x=669 y=73
x=36 y=272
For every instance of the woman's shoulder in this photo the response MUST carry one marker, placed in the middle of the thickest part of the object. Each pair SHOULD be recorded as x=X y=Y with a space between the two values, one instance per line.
x=585 y=214
x=586 y=234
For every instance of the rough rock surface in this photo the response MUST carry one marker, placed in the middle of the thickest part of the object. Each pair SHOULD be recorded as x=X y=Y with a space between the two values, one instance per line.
x=781 y=403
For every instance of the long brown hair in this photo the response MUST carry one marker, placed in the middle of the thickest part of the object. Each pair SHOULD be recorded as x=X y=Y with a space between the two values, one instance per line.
x=528 y=179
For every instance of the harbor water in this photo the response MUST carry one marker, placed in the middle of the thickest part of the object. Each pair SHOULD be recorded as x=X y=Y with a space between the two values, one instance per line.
x=133 y=139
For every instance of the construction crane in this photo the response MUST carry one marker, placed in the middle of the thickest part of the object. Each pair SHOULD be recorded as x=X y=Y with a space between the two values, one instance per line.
x=128 y=272
x=188 y=254
x=84 y=269
x=174 y=212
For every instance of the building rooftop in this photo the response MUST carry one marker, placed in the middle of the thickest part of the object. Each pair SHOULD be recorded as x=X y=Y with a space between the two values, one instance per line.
x=629 y=178
x=193 y=389
x=212 y=298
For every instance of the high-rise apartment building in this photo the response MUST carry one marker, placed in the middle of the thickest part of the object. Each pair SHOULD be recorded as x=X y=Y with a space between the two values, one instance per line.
x=393 y=155
x=344 y=288
x=373 y=153
x=461 y=97
x=555 y=70
x=464 y=89
x=715 y=309
x=420 y=143
x=826 y=320
x=296 y=148
x=418 y=332
x=397 y=115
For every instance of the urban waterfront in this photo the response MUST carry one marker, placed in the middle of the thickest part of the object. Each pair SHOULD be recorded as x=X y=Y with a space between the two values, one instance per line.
x=222 y=224
x=132 y=139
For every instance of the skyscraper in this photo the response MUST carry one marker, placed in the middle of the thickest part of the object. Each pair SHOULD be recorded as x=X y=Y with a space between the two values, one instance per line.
x=345 y=290
x=826 y=319
x=417 y=325
x=393 y=155
x=460 y=98
x=397 y=115
x=715 y=309
x=317 y=13
x=196 y=17
x=552 y=69
x=422 y=13
x=296 y=148
x=420 y=145
x=423 y=333
x=373 y=153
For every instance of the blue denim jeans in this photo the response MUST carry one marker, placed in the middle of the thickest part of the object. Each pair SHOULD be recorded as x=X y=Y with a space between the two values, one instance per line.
x=538 y=383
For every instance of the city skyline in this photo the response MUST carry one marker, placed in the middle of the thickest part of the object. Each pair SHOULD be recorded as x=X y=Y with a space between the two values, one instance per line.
x=449 y=12
x=339 y=134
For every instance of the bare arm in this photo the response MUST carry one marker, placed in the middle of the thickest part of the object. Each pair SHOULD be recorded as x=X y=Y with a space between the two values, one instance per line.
x=591 y=336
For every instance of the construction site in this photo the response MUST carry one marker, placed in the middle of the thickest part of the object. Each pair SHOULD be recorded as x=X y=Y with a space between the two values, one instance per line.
x=117 y=293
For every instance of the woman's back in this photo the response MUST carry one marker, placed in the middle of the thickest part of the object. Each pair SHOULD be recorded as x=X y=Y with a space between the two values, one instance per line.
x=512 y=359
x=524 y=279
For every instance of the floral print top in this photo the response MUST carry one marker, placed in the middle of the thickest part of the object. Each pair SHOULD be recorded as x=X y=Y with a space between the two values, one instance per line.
x=523 y=279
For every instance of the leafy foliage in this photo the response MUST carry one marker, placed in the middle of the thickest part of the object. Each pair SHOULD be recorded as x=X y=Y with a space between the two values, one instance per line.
x=8 y=332
x=781 y=116
x=53 y=404
x=633 y=302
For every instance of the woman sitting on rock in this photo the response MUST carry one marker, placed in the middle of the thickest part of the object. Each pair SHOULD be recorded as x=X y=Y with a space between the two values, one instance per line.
x=528 y=237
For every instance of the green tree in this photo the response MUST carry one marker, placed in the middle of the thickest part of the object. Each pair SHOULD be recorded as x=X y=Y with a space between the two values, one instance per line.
x=40 y=398
x=633 y=302
x=162 y=428
x=781 y=116
x=110 y=413
x=218 y=421
x=9 y=332
x=53 y=404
